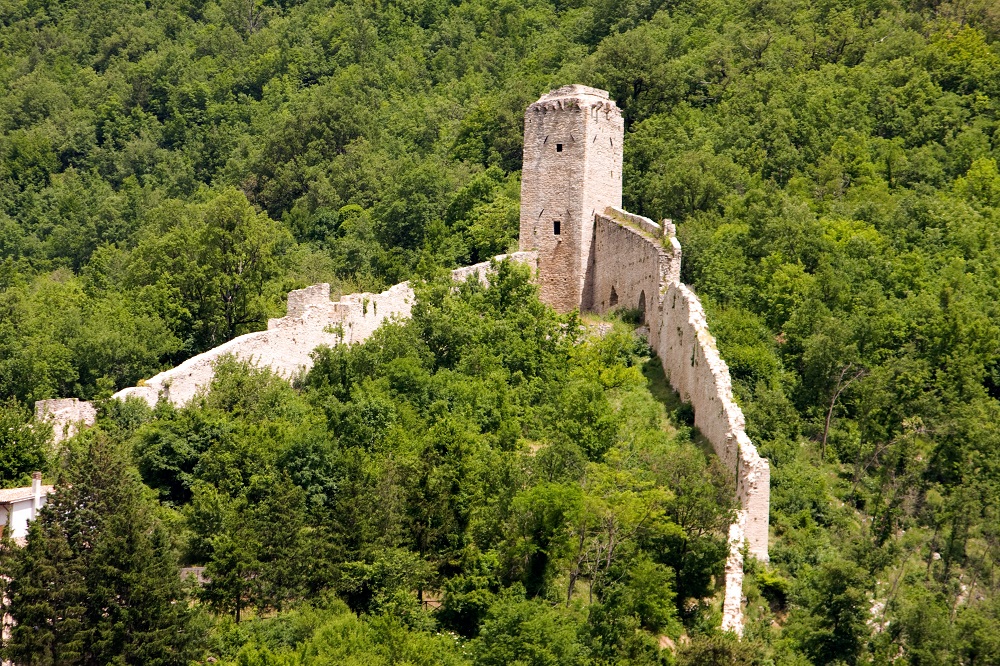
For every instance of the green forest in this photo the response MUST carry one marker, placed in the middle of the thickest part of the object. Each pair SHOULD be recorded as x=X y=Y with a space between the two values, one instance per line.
x=489 y=482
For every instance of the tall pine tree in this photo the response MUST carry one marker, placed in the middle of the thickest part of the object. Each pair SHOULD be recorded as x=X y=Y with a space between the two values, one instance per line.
x=97 y=582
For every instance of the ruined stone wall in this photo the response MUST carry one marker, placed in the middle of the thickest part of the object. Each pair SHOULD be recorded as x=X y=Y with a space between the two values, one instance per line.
x=65 y=415
x=631 y=264
x=285 y=347
x=631 y=258
x=600 y=258
x=571 y=170
x=639 y=258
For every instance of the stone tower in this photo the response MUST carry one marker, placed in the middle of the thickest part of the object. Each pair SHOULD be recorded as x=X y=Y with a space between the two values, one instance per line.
x=572 y=169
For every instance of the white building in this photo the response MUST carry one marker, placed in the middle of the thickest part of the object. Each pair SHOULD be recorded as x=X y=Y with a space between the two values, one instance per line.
x=19 y=506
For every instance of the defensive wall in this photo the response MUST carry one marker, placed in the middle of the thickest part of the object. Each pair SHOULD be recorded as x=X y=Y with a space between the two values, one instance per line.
x=637 y=266
x=65 y=415
x=586 y=253
x=286 y=346
x=593 y=255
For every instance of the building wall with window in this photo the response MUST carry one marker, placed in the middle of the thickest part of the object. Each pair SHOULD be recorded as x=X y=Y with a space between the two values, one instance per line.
x=19 y=506
x=571 y=171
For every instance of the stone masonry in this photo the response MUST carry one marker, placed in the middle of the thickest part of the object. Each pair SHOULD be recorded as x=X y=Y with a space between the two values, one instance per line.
x=65 y=415
x=588 y=254
x=572 y=169
x=638 y=262
x=285 y=348
x=619 y=260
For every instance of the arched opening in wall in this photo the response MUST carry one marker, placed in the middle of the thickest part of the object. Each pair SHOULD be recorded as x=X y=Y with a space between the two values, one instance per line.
x=613 y=301
x=642 y=307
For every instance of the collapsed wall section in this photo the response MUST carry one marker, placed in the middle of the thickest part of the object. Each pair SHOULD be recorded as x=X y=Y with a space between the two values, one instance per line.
x=65 y=415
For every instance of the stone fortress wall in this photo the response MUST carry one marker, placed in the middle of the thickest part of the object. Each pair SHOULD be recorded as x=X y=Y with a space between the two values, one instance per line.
x=618 y=260
x=587 y=253
x=637 y=266
x=65 y=415
x=286 y=346
x=630 y=264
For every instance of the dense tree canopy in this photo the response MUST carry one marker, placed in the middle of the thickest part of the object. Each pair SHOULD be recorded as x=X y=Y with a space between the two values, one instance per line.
x=486 y=468
x=168 y=170
x=97 y=581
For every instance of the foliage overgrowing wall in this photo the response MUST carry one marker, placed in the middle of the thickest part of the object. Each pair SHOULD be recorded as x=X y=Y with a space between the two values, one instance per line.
x=285 y=347
x=66 y=415
x=583 y=258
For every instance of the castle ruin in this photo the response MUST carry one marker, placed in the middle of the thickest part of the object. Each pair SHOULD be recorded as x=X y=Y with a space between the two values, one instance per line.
x=588 y=254
x=594 y=256
x=572 y=169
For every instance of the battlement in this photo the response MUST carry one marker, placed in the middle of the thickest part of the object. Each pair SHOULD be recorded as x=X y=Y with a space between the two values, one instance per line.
x=300 y=300
x=578 y=98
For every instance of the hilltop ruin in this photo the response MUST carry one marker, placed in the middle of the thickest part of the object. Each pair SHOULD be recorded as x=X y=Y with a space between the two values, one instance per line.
x=587 y=254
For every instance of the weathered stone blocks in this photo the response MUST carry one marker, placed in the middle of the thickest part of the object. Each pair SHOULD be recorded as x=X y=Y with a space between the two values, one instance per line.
x=66 y=415
x=572 y=169
x=630 y=264
x=286 y=346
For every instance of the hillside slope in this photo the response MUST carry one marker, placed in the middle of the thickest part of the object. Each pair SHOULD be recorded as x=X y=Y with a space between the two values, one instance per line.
x=171 y=169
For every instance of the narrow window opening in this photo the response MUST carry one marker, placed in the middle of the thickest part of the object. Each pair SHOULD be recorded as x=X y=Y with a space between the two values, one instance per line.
x=558 y=147
x=613 y=301
x=555 y=227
